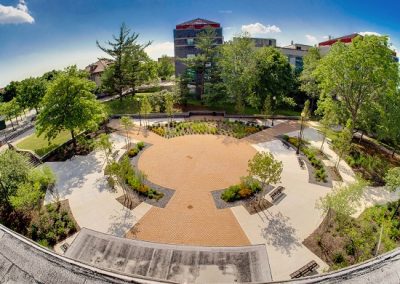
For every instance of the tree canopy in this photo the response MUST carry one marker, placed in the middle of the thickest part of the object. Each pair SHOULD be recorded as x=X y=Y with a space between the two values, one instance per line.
x=265 y=167
x=358 y=75
x=30 y=93
x=128 y=57
x=69 y=104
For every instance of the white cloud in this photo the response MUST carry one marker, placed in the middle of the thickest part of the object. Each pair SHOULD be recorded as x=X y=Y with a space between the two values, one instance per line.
x=156 y=50
x=312 y=39
x=225 y=11
x=259 y=28
x=325 y=37
x=369 y=33
x=15 y=15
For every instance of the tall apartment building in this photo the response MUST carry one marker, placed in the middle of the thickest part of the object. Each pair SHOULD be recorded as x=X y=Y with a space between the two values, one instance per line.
x=185 y=40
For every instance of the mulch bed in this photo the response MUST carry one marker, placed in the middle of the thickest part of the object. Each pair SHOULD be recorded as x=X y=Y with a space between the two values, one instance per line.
x=248 y=203
x=168 y=193
x=127 y=202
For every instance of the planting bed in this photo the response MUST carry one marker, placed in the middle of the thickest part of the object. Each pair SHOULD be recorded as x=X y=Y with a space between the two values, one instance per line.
x=237 y=129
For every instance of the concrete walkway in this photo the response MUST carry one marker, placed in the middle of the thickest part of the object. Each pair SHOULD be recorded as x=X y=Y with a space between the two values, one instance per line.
x=93 y=204
x=284 y=226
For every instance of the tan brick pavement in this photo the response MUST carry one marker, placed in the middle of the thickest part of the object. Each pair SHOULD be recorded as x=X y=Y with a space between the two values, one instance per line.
x=193 y=166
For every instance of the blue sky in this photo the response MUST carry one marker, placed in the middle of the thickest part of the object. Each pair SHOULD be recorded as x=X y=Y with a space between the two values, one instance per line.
x=40 y=35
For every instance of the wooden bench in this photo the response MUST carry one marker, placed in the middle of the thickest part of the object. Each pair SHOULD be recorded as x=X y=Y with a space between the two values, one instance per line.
x=286 y=144
x=276 y=193
x=306 y=270
x=301 y=163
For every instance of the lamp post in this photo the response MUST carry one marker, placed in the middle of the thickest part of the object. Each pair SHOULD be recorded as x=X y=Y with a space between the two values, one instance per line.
x=140 y=117
x=273 y=105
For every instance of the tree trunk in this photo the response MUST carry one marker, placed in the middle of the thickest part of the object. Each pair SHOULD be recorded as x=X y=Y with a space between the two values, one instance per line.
x=361 y=136
x=73 y=139
x=395 y=211
x=322 y=145
x=394 y=152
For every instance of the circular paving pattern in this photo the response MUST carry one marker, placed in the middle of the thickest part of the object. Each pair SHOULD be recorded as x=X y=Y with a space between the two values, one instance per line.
x=194 y=165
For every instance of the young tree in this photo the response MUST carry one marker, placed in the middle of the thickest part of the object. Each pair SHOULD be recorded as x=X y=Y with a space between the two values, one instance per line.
x=358 y=74
x=237 y=67
x=127 y=124
x=165 y=68
x=105 y=145
x=274 y=77
x=342 y=143
x=30 y=93
x=69 y=104
x=145 y=108
x=342 y=200
x=265 y=167
x=305 y=114
x=267 y=110
x=169 y=105
x=308 y=79
x=127 y=55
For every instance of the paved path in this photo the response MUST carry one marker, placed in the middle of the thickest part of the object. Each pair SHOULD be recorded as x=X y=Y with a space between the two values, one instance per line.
x=82 y=182
x=271 y=133
x=284 y=226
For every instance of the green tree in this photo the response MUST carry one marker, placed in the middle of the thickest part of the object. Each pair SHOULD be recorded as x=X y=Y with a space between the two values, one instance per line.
x=29 y=193
x=265 y=167
x=267 y=110
x=165 y=68
x=328 y=118
x=274 y=77
x=169 y=105
x=343 y=200
x=104 y=144
x=10 y=110
x=145 y=108
x=237 y=63
x=204 y=61
x=69 y=104
x=342 y=143
x=127 y=54
x=127 y=124
x=30 y=93
x=358 y=75
x=14 y=169
x=305 y=115
x=308 y=79
x=9 y=92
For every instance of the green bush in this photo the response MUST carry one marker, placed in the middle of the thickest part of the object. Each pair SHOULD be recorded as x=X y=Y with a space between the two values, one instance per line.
x=133 y=152
x=231 y=193
x=140 y=145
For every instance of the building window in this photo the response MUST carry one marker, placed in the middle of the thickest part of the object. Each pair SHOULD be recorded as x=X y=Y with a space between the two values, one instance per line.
x=190 y=41
x=190 y=56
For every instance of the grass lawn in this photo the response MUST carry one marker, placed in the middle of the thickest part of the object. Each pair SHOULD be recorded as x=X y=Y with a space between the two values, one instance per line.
x=40 y=145
x=128 y=105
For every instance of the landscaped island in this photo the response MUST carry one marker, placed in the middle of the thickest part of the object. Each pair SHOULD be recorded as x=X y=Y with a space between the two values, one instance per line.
x=237 y=129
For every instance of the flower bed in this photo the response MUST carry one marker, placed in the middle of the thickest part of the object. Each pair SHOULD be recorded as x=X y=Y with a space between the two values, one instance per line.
x=237 y=129
x=129 y=176
x=245 y=189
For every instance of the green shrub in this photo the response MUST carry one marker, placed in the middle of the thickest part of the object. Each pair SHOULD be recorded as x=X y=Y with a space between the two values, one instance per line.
x=285 y=137
x=133 y=152
x=44 y=243
x=231 y=193
x=140 y=145
x=51 y=238
x=338 y=258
